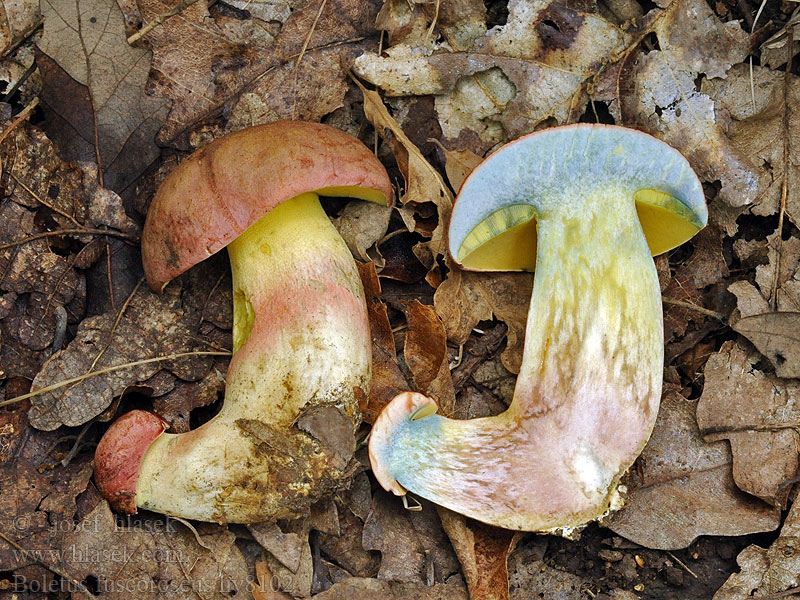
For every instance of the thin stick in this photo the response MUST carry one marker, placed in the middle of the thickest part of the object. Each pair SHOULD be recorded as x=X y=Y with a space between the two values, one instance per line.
x=43 y=203
x=773 y=296
x=57 y=232
x=116 y=323
x=752 y=30
x=105 y=370
x=159 y=20
x=23 y=114
x=681 y=563
x=60 y=572
x=303 y=52
x=694 y=307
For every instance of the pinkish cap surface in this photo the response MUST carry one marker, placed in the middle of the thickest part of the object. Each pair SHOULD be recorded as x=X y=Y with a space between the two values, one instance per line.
x=119 y=456
x=223 y=188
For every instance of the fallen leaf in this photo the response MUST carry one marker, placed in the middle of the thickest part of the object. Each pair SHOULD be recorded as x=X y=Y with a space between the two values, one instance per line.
x=87 y=41
x=760 y=416
x=176 y=404
x=346 y=548
x=387 y=379
x=192 y=57
x=38 y=283
x=263 y=589
x=511 y=79
x=316 y=85
x=37 y=506
x=150 y=326
x=781 y=273
x=154 y=558
x=760 y=137
x=296 y=583
x=17 y=20
x=361 y=225
x=423 y=182
x=287 y=548
x=771 y=572
x=376 y=589
x=425 y=353
x=464 y=299
x=413 y=545
x=483 y=552
x=682 y=487
x=458 y=165
x=459 y=22
x=775 y=336
x=774 y=51
x=659 y=95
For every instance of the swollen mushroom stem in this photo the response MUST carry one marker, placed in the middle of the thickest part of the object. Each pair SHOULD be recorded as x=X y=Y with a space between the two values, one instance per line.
x=302 y=347
x=587 y=205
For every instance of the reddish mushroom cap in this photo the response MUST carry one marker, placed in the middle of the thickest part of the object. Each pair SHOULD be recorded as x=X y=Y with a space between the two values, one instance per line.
x=119 y=456
x=223 y=188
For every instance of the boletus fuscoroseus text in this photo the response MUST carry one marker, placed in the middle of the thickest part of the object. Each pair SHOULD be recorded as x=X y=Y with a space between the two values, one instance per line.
x=586 y=207
x=301 y=341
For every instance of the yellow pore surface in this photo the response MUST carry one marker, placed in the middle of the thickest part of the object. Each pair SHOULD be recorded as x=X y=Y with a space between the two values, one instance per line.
x=506 y=240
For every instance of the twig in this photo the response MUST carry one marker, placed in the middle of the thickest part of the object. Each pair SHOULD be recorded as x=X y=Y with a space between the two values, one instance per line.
x=43 y=203
x=116 y=324
x=208 y=299
x=302 y=53
x=61 y=328
x=74 y=450
x=694 y=307
x=103 y=371
x=23 y=114
x=57 y=232
x=58 y=571
x=429 y=33
x=681 y=563
x=752 y=30
x=773 y=295
x=110 y=275
x=253 y=82
x=24 y=37
x=159 y=20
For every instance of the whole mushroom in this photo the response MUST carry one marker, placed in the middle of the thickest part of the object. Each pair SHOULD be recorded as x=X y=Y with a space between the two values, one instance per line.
x=302 y=347
x=587 y=205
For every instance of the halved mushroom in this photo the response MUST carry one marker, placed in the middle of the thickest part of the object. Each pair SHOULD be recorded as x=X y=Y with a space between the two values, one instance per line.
x=302 y=348
x=587 y=205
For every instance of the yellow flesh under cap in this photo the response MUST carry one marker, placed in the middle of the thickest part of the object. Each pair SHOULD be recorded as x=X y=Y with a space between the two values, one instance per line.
x=506 y=239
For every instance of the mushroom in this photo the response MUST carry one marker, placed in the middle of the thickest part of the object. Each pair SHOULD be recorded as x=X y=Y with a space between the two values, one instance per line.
x=586 y=205
x=301 y=341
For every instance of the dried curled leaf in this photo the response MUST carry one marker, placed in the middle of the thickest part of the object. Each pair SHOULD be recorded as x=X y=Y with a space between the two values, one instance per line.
x=423 y=182
x=425 y=353
x=387 y=379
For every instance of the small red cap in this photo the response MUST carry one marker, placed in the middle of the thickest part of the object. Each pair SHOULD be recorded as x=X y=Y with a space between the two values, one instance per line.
x=119 y=456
